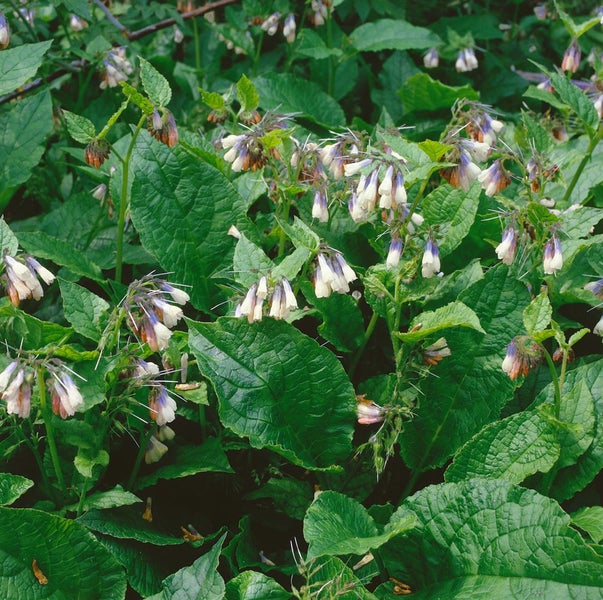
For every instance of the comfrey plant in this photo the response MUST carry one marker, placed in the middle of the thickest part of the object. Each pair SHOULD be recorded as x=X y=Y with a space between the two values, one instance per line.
x=313 y=293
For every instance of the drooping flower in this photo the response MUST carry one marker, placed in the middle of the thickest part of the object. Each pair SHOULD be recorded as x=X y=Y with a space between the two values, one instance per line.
x=320 y=209
x=22 y=278
x=178 y=35
x=596 y=287
x=394 y=253
x=154 y=450
x=4 y=32
x=97 y=152
x=435 y=352
x=332 y=274
x=430 y=264
x=163 y=127
x=270 y=25
x=369 y=412
x=571 y=58
x=66 y=397
x=598 y=328
x=506 y=249
x=464 y=173
x=523 y=354
x=117 y=68
x=289 y=28
x=494 y=179
x=162 y=406
x=17 y=393
x=553 y=257
x=77 y=23
x=466 y=60
x=541 y=11
x=431 y=59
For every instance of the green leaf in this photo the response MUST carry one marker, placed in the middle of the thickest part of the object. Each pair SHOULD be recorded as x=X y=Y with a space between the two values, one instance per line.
x=200 y=581
x=251 y=585
x=544 y=96
x=455 y=412
x=512 y=449
x=301 y=235
x=421 y=92
x=577 y=100
x=390 y=34
x=479 y=538
x=12 y=487
x=455 y=314
x=60 y=252
x=132 y=94
x=278 y=387
x=291 y=265
x=127 y=523
x=342 y=324
x=337 y=524
x=63 y=551
x=18 y=65
x=113 y=498
x=288 y=495
x=183 y=461
x=154 y=83
x=83 y=309
x=289 y=94
x=250 y=262
x=182 y=209
x=537 y=314
x=454 y=210
x=21 y=330
x=214 y=100
x=590 y=519
x=23 y=129
x=79 y=7
x=247 y=94
x=311 y=45
x=574 y=29
x=80 y=128
x=8 y=240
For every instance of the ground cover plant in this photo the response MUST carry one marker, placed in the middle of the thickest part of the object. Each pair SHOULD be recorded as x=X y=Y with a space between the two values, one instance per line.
x=301 y=299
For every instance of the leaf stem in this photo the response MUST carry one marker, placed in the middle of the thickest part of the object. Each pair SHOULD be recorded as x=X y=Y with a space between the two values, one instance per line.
x=367 y=336
x=587 y=156
x=556 y=382
x=124 y=202
x=47 y=416
x=144 y=440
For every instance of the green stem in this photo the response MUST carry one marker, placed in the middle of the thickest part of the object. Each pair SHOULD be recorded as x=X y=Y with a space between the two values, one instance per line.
x=556 y=383
x=80 y=504
x=331 y=68
x=47 y=416
x=197 y=47
x=144 y=440
x=124 y=201
x=367 y=336
x=587 y=156
x=258 y=51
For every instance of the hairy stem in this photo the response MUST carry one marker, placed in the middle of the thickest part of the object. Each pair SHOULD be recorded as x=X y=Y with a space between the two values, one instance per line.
x=367 y=336
x=585 y=159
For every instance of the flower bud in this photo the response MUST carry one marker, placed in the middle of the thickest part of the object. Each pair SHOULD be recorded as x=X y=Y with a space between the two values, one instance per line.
x=97 y=151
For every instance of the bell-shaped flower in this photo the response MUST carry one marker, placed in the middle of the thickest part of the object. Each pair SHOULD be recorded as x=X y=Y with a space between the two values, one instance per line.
x=494 y=179
x=320 y=209
x=430 y=264
x=523 y=354
x=571 y=58
x=17 y=395
x=162 y=406
x=154 y=450
x=553 y=258
x=369 y=412
x=66 y=397
x=431 y=59
x=289 y=28
x=506 y=249
x=394 y=253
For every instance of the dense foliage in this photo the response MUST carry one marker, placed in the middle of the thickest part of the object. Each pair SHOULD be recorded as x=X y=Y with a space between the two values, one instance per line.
x=301 y=299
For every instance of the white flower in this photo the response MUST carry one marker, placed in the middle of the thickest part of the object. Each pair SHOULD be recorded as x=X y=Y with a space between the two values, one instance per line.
x=262 y=290
x=320 y=209
x=76 y=23
x=168 y=313
x=432 y=59
x=430 y=264
x=353 y=168
x=369 y=412
x=18 y=396
x=553 y=257
x=394 y=253
x=178 y=296
x=66 y=397
x=598 y=328
x=322 y=289
x=290 y=299
x=289 y=28
x=154 y=451
x=162 y=406
x=506 y=249
x=6 y=375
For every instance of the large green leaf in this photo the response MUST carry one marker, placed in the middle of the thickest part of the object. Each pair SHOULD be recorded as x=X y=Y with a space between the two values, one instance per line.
x=12 y=487
x=182 y=209
x=390 y=34
x=337 y=524
x=511 y=449
x=182 y=461
x=23 y=128
x=278 y=387
x=83 y=309
x=421 y=92
x=581 y=446
x=577 y=100
x=19 y=64
x=289 y=94
x=470 y=387
x=70 y=559
x=491 y=539
x=454 y=211
x=251 y=585
x=200 y=581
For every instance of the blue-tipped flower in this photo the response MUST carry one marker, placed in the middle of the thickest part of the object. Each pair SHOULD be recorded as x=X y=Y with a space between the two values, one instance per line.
x=553 y=257
x=162 y=406
x=596 y=287
x=289 y=28
x=494 y=178
x=523 y=354
x=4 y=32
x=320 y=209
x=571 y=58
x=394 y=253
x=430 y=264
x=466 y=60
x=154 y=451
x=506 y=249
x=432 y=59
x=17 y=393
x=66 y=397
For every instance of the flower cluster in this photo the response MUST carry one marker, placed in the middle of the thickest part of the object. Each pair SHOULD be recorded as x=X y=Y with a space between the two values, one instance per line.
x=435 y=352
x=320 y=10
x=16 y=382
x=523 y=354
x=151 y=312
x=369 y=412
x=332 y=274
x=20 y=278
x=117 y=68
x=97 y=152
x=494 y=179
x=271 y=24
x=278 y=295
x=163 y=127
x=466 y=60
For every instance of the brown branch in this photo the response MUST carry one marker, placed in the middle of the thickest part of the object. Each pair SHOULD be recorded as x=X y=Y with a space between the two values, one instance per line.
x=197 y=12
x=78 y=65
